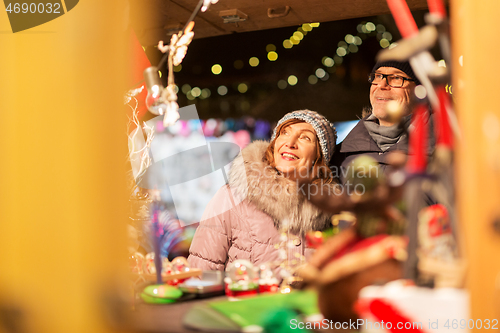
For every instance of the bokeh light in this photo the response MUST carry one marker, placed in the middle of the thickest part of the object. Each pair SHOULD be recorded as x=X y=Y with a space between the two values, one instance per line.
x=222 y=90
x=320 y=72
x=272 y=56
x=216 y=69
x=186 y=88
x=196 y=92
x=312 y=79
x=270 y=48
x=287 y=44
x=254 y=61
x=242 y=88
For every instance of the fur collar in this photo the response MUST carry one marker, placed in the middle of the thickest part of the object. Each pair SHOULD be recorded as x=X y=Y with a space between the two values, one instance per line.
x=253 y=178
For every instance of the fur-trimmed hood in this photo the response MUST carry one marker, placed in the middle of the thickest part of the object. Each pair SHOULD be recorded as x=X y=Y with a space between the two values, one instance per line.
x=252 y=178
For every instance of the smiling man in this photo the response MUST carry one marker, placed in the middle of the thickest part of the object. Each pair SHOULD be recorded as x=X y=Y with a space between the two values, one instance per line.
x=377 y=134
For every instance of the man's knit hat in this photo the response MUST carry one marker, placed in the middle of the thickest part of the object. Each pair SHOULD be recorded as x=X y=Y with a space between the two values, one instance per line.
x=402 y=66
x=325 y=131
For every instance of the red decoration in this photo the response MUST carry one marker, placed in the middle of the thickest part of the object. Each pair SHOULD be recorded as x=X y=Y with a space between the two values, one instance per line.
x=436 y=7
x=385 y=312
x=404 y=20
x=417 y=162
x=444 y=135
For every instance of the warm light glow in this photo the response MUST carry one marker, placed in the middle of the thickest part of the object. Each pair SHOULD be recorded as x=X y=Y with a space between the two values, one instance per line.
x=287 y=44
x=315 y=25
x=222 y=90
x=238 y=64
x=282 y=84
x=370 y=26
x=358 y=40
x=216 y=69
x=380 y=28
x=320 y=72
x=298 y=35
x=254 y=61
x=384 y=43
x=349 y=39
x=312 y=79
x=294 y=40
x=242 y=88
x=387 y=35
x=190 y=96
x=270 y=48
x=196 y=92
x=159 y=72
x=178 y=68
x=176 y=88
x=205 y=93
x=341 y=51
x=186 y=88
x=420 y=92
x=273 y=56
x=353 y=48
x=306 y=27
x=328 y=62
x=292 y=80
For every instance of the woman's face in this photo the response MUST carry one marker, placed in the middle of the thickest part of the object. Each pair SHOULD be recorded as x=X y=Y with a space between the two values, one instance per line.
x=295 y=149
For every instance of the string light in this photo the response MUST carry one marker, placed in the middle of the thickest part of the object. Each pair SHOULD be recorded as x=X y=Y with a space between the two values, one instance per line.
x=320 y=73
x=222 y=90
x=242 y=88
x=196 y=92
x=312 y=79
x=350 y=45
x=292 y=80
x=254 y=61
x=216 y=69
x=272 y=56
x=287 y=44
x=270 y=48
x=186 y=88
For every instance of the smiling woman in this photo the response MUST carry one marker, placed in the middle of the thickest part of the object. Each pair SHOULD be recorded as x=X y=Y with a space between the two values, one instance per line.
x=244 y=218
x=295 y=151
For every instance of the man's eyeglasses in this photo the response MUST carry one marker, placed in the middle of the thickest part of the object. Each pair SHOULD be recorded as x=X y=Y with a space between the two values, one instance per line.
x=394 y=81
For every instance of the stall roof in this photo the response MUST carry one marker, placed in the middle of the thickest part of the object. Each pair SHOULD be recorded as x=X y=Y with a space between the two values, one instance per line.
x=154 y=19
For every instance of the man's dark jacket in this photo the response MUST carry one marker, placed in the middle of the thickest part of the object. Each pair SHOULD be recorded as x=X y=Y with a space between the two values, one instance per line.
x=359 y=142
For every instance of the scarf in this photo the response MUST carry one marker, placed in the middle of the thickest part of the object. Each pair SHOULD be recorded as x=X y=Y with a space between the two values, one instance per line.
x=386 y=136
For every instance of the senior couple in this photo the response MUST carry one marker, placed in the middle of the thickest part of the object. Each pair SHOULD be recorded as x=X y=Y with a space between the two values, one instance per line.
x=244 y=218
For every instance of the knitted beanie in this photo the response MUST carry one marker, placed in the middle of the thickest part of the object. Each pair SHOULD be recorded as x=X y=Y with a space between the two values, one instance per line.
x=325 y=131
x=402 y=66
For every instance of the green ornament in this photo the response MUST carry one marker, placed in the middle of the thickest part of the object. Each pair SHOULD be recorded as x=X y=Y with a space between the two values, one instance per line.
x=364 y=174
x=160 y=294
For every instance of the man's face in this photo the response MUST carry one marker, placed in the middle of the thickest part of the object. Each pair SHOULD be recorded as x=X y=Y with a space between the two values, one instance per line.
x=381 y=94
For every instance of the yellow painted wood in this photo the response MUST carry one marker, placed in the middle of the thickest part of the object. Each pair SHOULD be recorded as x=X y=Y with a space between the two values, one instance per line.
x=63 y=201
x=476 y=86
